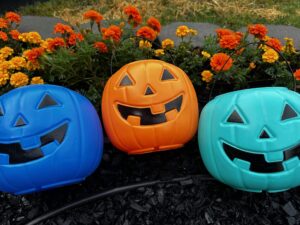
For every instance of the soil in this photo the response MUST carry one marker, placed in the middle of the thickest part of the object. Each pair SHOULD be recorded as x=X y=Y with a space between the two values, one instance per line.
x=192 y=201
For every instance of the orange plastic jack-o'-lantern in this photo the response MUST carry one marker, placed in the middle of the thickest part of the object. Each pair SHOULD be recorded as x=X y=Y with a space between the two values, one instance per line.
x=149 y=106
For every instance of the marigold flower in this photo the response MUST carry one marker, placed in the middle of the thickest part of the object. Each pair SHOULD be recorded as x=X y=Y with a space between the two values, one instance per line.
x=37 y=80
x=3 y=36
x=101 y=47
x=144 y=44
x=207 y=76
x=230 y=41
x=19 y=79
x=205 y=54
x=154 y=24
x=5 y=52
x=17 y=63
x=270 y=56
x=62 y=28
x=182 y=31
x=32 y=65
x=167 y=43
x=192 y=32
x=221 y=62
x=296 y=74
x=13 y=17
x=275 y=43
x=289 y=47
x=72 y=40
x=133 y=14
x=252 y=66
x=147 y=33
x=14 y=34
x=3 y=23
x=223 y=31
x=4 y=77
x=31 y=37
x=4 y=66
x=113 y=32
x=258 y=30
x=53 y=44
x=93 y=16
x=33 y=54
x=159 y=52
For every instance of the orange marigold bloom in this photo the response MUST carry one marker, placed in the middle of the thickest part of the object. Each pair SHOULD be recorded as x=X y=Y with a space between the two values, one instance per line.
x=74 y=38
x=147 y=33
x=133 y=14
x=258 y=30
x=93 y=15
x=275 y=43
x=14 y=34
x=13 y=17
x=222 y=32
x=37 y=80
x=3 y=36
x=19 y=79
x=33 y=54
x=101 y=47
x=154 y=24
x=55 y=43
x=3 y=23
x=221 y=62
x=62 y=28
x=230 y=41
x=297 y=74
x=113 y=32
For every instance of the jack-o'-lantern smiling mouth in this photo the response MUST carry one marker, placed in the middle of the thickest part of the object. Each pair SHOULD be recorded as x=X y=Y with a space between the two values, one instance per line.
x=144 y=116
x=257 y=161
x=16 y=153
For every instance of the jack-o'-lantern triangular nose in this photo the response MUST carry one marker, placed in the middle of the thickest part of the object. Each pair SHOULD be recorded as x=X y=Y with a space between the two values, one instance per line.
x=264 y=134
x=20 y=121
x=149 y=91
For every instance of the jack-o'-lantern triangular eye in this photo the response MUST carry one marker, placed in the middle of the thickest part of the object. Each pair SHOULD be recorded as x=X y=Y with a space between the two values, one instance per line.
x=126 y=81
x=167 y=75
x=235 y=118
x=47 y=101
x=288 y=113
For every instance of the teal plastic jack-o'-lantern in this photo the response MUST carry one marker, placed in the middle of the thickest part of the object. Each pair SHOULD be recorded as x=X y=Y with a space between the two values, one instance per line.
x=250 y=139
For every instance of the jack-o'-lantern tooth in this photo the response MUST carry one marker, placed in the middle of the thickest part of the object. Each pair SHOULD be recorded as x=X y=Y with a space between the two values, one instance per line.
x=171 y=115
x=274 y=156
x=158 y=108
x=134 y=120
x=30 y=142
x=4 y=159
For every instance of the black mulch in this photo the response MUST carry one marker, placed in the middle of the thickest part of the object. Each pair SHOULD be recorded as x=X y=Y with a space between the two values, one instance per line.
x=192 y=201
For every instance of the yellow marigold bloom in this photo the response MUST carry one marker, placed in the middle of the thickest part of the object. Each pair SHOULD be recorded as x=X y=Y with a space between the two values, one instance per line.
x=17 y=63
x=145 y=44
x=207 y=76
x=289 y=47
x=4 y=77
x=31 y=66
x=167 y=43
x=4 y=66
x=205 y=54
x=193 y=32
x=37 y=80
x=182 y=31
x=270 y=56
x=18 y=79
x=252 y=65
x=159 y=52
x=5 y=52
x=31 y=37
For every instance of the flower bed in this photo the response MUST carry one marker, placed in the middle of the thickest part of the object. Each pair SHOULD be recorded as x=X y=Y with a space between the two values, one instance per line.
x=83 y=60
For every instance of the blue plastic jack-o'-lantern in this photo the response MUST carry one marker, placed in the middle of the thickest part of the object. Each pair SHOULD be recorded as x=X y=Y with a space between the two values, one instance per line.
x=250 y=140
x=50 y=136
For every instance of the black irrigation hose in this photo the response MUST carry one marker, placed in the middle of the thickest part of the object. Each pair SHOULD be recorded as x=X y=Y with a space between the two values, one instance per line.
x=112 y=192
